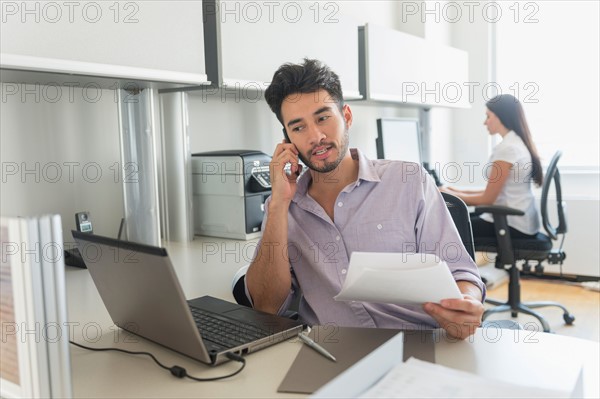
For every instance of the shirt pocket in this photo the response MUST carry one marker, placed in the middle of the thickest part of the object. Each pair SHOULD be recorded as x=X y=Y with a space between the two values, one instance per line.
x=389 y=235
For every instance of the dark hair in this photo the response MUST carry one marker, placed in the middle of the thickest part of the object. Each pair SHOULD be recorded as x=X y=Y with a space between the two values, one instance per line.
x=308 y=77
x=510 y=112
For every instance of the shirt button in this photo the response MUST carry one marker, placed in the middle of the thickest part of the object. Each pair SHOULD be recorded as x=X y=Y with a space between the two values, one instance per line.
x=337 y=238
x=343 y=271
x=379 y=227
x=340 y=204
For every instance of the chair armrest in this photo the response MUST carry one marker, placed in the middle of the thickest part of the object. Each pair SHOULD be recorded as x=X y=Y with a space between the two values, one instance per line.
x=499 y=210
x=505 y=250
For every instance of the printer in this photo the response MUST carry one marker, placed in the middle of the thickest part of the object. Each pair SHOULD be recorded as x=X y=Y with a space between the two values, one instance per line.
x=229 y=193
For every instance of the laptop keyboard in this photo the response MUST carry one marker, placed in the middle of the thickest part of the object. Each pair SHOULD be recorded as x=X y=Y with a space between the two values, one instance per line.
x=225 y=333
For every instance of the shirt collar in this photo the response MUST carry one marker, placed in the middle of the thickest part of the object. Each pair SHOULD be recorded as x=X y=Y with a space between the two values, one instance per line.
x=366 y=169
x=511 y=134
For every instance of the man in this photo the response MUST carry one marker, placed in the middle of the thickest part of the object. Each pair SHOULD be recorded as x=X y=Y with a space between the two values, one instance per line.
x=344 y=203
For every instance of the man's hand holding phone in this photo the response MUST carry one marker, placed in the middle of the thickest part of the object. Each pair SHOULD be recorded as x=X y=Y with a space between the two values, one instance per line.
x=283 y=185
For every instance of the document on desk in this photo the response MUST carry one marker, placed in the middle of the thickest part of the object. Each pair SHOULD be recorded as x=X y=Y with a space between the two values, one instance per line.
x=413 y=379
x=400 y=278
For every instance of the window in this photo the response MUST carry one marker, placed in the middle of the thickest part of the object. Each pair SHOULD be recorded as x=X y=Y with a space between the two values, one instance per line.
x=547 y=56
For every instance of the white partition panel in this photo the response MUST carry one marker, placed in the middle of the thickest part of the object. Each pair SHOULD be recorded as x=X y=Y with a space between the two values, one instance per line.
x=152 y=40
x=410 y=70
x=257 y=37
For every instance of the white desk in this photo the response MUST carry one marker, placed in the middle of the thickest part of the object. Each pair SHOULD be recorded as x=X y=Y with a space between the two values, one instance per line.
x=511 y=356
x=117 y=375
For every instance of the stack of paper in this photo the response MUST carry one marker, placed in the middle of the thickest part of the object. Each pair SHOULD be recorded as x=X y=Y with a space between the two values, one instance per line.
x=399 y=278
x=35 y=353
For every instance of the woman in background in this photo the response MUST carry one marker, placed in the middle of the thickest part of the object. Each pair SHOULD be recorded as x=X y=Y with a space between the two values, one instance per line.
x=513 y=165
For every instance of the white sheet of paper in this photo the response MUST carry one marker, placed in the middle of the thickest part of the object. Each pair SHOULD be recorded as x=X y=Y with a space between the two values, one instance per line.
x=413 y=378
x=399 y=278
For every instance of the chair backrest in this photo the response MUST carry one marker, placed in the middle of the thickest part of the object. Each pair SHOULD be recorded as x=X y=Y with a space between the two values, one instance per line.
x=552 y=174
x=238 y=287
x=460 y=215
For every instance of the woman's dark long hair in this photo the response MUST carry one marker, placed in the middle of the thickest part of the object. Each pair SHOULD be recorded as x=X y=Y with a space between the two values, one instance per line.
x=510 y=112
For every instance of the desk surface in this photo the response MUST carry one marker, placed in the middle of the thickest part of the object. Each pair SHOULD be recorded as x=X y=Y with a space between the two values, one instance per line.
x=502 y=354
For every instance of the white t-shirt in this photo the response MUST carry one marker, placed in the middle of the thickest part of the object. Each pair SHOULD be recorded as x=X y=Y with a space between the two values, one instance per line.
x=516 y=192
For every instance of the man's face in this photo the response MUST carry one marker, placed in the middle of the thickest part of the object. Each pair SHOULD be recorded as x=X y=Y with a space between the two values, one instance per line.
x=316 y=127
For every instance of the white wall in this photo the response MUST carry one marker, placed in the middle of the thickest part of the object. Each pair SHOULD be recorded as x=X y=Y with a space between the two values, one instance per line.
x=470 y=140
x=582 y=238
x=384 y=13
x=225 y=121
x=441 y=119
x=581 y=195
x=60 y=154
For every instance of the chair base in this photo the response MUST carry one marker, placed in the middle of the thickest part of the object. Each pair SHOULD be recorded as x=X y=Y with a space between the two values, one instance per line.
x=527 y=308
x=515 y=306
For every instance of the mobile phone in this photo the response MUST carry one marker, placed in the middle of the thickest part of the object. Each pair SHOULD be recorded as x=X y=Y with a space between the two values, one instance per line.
x=285 y=136
x=83 y=222
x=288 y=166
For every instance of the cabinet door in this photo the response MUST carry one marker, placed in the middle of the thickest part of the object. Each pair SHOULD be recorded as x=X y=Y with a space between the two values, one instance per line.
x=411 y=70
x=153 y=39
x=257 y=37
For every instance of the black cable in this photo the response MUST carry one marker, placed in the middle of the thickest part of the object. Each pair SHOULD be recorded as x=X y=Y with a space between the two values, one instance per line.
x=177 y=371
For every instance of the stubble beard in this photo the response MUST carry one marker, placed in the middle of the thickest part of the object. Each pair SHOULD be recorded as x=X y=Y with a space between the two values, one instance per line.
x=328 y=166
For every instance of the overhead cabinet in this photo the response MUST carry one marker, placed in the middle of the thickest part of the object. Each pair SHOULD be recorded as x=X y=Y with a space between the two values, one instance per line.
x=401 y=68
x=147 y=41
x=252 y=39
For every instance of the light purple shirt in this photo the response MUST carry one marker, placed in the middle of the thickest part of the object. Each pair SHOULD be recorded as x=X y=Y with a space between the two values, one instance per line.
x=393 y=206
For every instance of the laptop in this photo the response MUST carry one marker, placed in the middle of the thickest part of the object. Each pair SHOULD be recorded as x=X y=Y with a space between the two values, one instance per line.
x=142 y=294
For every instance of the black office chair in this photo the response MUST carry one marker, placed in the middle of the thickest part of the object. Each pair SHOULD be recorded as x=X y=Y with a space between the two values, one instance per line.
x=509 y=251
x=462 y=220
x=238 y=287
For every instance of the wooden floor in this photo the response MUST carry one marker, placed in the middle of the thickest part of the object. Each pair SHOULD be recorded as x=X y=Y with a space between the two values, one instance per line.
x=584 y=304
